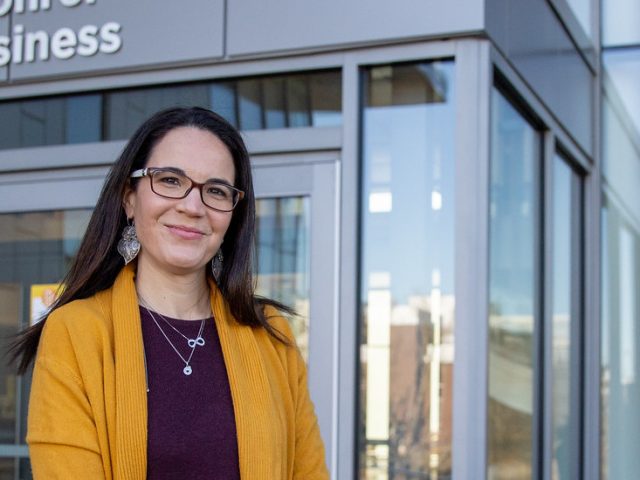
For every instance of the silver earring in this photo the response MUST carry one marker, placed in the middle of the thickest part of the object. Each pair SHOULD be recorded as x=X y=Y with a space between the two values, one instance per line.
x=216 y=265
x=129 y=246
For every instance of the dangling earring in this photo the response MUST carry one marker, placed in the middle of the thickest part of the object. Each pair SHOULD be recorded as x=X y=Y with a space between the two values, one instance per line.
x=129 y=246
x=216 y=265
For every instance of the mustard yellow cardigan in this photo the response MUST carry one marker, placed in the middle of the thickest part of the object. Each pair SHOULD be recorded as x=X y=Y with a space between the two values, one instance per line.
x=88 y=405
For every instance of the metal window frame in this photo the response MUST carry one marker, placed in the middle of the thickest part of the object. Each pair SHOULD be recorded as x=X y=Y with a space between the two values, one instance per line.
x=558 y=138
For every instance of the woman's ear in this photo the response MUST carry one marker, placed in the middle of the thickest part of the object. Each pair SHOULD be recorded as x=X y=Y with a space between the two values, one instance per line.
x=129 y=200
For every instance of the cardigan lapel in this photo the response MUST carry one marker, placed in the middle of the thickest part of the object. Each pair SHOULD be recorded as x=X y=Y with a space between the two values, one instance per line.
x=260 y=440
x=130 y=461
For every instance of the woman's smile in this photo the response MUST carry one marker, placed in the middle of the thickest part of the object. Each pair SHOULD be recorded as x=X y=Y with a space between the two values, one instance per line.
x=185 y=232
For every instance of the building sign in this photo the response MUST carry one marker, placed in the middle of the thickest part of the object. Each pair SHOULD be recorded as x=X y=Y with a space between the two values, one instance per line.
x=64 y=43
x=47 y=39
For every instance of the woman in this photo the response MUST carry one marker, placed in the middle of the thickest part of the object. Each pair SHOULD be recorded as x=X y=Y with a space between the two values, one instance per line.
x=157 y=361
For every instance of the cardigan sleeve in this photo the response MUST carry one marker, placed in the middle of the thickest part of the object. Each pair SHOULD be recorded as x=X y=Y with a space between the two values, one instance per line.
x=62 y=437
x=309 y=461
x=309 y=454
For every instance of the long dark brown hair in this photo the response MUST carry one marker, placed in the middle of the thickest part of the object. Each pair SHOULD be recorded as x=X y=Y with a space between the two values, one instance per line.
x=97 y=262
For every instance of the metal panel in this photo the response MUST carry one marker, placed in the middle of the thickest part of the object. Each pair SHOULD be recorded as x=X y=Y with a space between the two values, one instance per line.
x=285 y=140
x=4 y=31
x=53 y=190
x=153 y=32
x=546 y=376
x=320 y=182
x=57 y=156
x=470 y=378
x=348 y=327
x=534 y=40
x=281 y=25
x=592 y=321
x=261 y=142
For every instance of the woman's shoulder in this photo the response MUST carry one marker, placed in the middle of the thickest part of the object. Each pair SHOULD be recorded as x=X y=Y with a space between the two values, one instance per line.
x=82 y=321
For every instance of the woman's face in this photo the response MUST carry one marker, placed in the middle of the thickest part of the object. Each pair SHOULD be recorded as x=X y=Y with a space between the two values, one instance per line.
x=181 y=236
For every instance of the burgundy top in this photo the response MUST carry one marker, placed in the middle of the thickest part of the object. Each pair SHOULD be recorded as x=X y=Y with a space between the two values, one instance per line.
x=191 y=424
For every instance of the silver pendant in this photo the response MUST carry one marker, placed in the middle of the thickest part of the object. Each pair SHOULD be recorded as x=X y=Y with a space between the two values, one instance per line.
x=187 y=370
x=195 y=341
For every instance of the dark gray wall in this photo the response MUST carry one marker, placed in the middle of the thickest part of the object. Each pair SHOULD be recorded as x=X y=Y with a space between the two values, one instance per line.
x=532 y=37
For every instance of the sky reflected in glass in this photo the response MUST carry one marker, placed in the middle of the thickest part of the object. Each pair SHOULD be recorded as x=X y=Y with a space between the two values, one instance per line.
x=407 y=296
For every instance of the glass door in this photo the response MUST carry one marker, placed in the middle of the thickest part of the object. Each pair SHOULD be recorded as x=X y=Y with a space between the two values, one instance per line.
x=297 y=264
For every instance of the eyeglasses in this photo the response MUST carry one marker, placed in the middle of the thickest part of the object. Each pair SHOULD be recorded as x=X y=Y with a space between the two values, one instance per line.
x=171 y=183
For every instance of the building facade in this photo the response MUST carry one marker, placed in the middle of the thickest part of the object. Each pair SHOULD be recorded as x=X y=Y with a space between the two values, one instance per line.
x=447 y=193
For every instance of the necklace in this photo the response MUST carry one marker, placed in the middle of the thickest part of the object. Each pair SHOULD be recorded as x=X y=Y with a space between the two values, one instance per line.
x=187 y=370
x=192 y=342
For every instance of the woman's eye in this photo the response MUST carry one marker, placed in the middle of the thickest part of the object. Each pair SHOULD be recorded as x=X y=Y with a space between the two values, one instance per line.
x=170 y=180
x=217 y=191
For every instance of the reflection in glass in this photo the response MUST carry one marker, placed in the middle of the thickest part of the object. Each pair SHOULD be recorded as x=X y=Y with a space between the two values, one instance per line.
x=274 y=102
x=310 y=99
x=83 y=119
x=582 y=11
x=407 y=290
x=125 y=110
x=254 y=103
x=623 y=71
x=283 y=257
x=565 y=328
x=223 y=100
x=8 y=468
x=35 y=252
x=326 y=101
x=620 y=20
x=620 y=382
x=298 y=101
x=50 y=121
x=249 y=104
x=515 y=152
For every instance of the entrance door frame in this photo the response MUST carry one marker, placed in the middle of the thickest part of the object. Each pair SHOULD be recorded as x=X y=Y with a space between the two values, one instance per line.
x=315 y=176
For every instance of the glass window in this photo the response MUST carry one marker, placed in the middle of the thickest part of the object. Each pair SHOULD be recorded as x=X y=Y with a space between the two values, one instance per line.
x=582 y=11
x=326 y=101
x=35 y=253
x=50 y=121
x=250 y=104
x=620 y=20
x=407 y=292
x=281 y=101
x=620 y=331
x=223 y=100
x=623 y=70
x=275 y=102
x=283 y=258
x=83 y=119
x=310 y=99
x=299 y=109
x=126 y=110
x=514 y=234
x=566 y=321
x=620 y=382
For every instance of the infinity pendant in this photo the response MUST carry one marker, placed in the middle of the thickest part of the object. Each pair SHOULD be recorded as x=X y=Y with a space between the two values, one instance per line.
x=187 y=370
x=192 y=342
